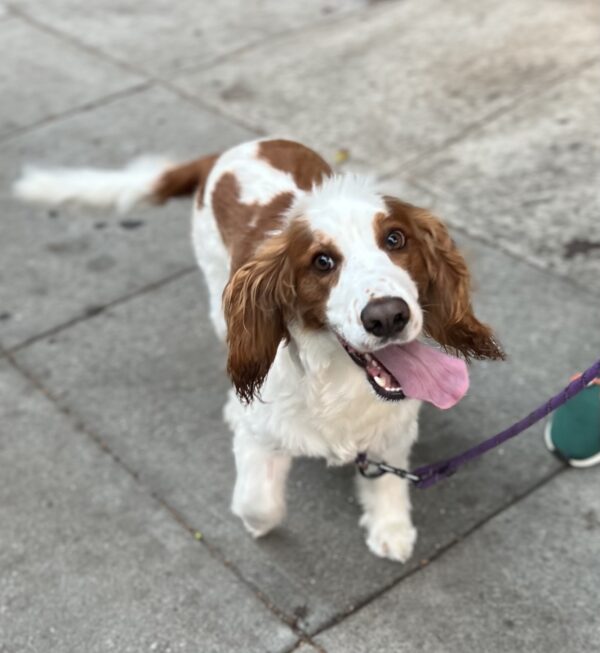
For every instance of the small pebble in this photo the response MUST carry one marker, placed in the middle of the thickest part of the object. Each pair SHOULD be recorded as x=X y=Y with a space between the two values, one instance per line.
x=341 y=156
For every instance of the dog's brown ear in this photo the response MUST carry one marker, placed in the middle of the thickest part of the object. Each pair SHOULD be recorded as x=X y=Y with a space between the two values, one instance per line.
x=256 y=301
x=446 y=297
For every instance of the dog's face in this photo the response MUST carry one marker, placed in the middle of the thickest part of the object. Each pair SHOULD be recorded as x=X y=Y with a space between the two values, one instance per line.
x=371 y=270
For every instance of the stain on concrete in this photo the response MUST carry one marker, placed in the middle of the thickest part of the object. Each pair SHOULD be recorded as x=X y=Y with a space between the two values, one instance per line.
x=75 y=246
x=131 y=224
x=592 y=521
x=236 y=92
x=101 y=263
x=580 y=246
x=300 y=614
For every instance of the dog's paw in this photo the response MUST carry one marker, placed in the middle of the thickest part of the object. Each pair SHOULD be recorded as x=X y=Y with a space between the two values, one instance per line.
x=257 y=521
x=259 y=526
x=392 y=539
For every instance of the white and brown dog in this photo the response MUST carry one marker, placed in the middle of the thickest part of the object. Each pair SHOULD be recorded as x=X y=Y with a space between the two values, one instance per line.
x=321 y=286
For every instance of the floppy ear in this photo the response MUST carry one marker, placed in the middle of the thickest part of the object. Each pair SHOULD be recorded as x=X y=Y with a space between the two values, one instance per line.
x=446 y=300
x=255 y=303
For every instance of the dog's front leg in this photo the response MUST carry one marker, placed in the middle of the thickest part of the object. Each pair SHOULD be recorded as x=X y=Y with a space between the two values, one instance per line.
x=259 y=494
x=386 y=505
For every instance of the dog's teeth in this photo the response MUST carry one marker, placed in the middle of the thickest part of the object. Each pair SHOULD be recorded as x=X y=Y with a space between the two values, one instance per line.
x=380 y=382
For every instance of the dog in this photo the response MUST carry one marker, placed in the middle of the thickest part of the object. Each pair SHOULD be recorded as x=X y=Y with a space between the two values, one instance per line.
x=321 y=286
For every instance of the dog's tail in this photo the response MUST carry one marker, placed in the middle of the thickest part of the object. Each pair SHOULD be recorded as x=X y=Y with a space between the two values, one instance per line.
x=153 y=179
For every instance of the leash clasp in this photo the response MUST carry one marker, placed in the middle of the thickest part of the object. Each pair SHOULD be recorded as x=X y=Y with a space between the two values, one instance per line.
x=372 y=469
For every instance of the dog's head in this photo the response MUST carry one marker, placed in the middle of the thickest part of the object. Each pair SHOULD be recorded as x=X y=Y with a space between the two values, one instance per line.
x=370 y=269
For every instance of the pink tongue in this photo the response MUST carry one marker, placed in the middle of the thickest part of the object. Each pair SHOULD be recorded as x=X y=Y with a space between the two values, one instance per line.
x=426 y=373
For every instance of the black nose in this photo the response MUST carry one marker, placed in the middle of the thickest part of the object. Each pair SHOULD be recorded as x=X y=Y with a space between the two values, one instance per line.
x=385 y=317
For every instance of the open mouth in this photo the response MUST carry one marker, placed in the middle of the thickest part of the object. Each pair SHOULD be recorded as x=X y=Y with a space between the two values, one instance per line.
x=415 y=370
x=381 y=380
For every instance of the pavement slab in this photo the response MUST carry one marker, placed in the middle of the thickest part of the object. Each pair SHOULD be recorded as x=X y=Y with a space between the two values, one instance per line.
x=42 y=76
x=527 y=581
x=396 y=82
x=90 y=562
x=180 y=35
x=65 y=263
x=530 y=181
x=147 y=377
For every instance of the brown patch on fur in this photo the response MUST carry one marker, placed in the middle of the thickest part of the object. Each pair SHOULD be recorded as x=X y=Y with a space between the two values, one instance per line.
x=255 y=302
x=312 y=286
x=442 y=277
x=277 y=284
x=184 y=179
x=244 y=226
x=306 y=166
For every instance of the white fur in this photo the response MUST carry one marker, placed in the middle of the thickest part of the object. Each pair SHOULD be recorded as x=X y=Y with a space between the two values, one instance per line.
x=105 y=188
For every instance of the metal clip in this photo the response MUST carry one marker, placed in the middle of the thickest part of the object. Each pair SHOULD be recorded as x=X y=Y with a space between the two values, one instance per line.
x=371 y=469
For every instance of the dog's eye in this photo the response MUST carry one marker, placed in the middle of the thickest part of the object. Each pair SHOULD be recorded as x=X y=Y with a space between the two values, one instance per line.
x=395 y=240
x=324 y=262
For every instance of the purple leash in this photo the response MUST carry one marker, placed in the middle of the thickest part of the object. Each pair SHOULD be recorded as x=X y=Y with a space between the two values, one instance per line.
x=429 y=475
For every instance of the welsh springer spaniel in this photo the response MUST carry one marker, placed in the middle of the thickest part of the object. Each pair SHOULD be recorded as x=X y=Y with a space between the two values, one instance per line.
x=321 y=287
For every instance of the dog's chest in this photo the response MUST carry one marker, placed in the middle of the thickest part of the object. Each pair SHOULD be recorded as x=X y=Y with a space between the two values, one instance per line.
x=328 y=410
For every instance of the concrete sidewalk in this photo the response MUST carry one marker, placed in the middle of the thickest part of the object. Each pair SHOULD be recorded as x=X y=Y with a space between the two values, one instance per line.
x=115 y=466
